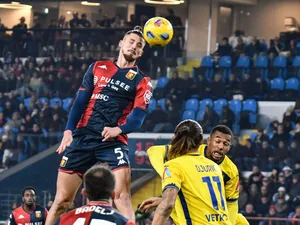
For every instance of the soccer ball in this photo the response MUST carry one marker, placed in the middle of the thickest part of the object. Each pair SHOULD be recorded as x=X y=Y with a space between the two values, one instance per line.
x=158 y=31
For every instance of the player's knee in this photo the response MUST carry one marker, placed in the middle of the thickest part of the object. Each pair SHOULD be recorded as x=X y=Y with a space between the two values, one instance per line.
x=62 y=203
x=122 y=197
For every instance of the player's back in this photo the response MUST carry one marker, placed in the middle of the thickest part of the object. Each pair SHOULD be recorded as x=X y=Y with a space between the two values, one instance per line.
x=94 y=213
x=201 y=198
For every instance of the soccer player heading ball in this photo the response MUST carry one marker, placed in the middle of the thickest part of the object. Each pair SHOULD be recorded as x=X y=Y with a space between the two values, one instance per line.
x=98 y=123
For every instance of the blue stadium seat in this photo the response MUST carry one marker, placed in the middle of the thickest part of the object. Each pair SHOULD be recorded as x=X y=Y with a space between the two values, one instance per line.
x=296 y=61
x=43 y=100
x=1 y=109
x=204 y=102
x=219 y=104
x=152 y=105
x=53 y=100
x=292 y=84
x=236 y=107
x=162 y=103
x=162 y=82
x=250 y=105
x=225 y=66
x=206 y=67
x=243 y=61
x=242 y=66
x=279 y=68
x=66 y=103
x=261 y=64
x=199 y=115
x=207 y=61
x=277 y=84
x=262 y=61
x=192 y=104
x=188 y=114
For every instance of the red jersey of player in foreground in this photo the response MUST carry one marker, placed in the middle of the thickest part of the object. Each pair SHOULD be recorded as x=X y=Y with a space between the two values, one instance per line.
x=94 y=213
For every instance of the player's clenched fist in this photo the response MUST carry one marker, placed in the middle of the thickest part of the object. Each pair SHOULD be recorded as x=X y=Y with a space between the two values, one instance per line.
x=110 y=132
x=65 y=142
x=149 y=203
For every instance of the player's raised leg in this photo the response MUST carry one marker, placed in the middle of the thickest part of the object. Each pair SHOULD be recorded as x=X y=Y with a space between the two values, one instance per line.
x=122 y=198
x=66 y=188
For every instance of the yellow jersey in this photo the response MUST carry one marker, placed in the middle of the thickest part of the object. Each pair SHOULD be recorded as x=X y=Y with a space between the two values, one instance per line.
x=201 y=196
x=158 y=155
x=230 y=176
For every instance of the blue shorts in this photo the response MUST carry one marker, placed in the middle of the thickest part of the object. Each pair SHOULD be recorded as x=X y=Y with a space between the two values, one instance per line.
x=84 y=152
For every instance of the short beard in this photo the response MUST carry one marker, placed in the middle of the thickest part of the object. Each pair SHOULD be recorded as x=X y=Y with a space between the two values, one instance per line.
x=128 y=58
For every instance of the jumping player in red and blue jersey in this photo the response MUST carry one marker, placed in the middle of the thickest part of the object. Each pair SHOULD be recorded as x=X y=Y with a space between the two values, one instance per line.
x=99 y=184
x=99 y=121
x=29 y=213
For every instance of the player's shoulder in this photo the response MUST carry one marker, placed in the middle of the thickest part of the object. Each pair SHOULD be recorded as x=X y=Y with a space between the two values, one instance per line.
x=18 y=210
x=102 y=64
x=229 y=166
x=201 y=149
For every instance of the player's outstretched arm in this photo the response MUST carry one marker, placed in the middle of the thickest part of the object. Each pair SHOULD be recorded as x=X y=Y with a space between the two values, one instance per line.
x=79 y=105
x=150 y=203
x=166 y=206
x=157 y=155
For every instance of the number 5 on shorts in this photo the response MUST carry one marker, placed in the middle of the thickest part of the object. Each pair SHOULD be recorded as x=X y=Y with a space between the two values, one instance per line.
x=119 y=152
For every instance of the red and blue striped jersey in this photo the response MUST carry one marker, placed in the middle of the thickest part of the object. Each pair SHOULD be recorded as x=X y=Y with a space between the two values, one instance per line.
x=92 y=214
x=115 y=92
x=21 y=217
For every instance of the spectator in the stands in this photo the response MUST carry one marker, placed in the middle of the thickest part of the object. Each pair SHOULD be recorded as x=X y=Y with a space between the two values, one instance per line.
x=35 y=140
x=260 y=88
x=295 y=152
x=253 y=48
x=2 y=119
x=8 y=110
x=249 y=212
x=270 y=214
x=217 y=87
x=262 y=207
x=256 y=176
x=174 y=85
x=288 y=173
x=282 y=154
x=280 y=135
x=281 y=194
x=247 y=86
x=227 y=117
x=173 y=114
x=232 y=86
x=281 y=207
x=254 y=196
x=248 y=155
x=224 y=48
x=59 y=110
x=261 y=137
x=297 y=168
x=275 y=48
x=265 y=156
x=156 y=120
x=239 y=48
x=15 y=121
x=8 y=158
x=296 y=215
x=201 y=86
x=264 y=192
x=209 y=119
x=295 y=187
x=187 y=84
x=22 y=110
x=281 y=182
x=290 y=115
x=243 y=196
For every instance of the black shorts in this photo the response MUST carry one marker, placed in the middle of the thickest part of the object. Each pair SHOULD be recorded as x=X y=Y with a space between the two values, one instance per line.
x=83 y=153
